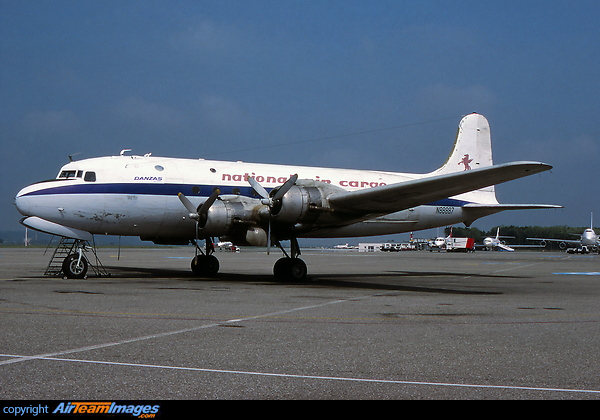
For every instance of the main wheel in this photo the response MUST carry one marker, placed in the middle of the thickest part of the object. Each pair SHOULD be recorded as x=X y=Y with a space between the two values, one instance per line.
x=74 y=267
x=205 y=265
x=290 y=269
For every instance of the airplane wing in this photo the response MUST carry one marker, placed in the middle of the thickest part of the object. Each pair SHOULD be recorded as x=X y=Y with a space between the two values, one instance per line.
x=404 y=195
x=566 y=241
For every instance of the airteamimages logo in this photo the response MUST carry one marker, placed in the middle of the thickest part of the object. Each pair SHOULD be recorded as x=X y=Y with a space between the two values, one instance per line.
x=142 y=411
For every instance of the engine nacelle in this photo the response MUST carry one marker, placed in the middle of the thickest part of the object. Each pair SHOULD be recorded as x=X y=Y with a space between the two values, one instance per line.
x=235 y=219
x=219 y=219
x=304 y=203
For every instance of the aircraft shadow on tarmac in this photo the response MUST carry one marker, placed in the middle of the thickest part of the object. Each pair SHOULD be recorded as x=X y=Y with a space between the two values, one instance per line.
x=374 y=281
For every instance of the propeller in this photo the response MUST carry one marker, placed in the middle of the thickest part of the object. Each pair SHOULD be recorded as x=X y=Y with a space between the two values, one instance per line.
x=279 y=192
x=200 y=213
x=272 y=201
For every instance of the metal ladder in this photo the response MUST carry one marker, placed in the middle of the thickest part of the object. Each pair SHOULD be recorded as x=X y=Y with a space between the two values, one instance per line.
x=62 y=251
x=68 y=246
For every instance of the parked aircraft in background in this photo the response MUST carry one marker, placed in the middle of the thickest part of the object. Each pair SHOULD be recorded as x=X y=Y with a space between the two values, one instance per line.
x=182 y=201
x=587 y=242
x=439 y=243
x=345 y=246
x=494 y=243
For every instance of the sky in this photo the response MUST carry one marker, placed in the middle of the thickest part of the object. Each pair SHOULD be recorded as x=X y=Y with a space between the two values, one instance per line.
x=339 y=83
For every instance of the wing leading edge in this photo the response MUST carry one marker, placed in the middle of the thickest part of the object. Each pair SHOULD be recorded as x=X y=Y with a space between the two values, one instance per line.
x=404 y=195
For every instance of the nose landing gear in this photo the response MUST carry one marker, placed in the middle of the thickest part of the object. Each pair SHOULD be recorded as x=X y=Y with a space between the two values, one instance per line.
x=70 y=260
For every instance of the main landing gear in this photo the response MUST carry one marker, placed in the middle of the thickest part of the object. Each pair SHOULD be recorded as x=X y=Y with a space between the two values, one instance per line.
x=205 y=264
x=289 y=268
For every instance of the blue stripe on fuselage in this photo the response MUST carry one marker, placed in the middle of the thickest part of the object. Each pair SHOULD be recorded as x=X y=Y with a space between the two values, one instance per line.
x=142 y=189
x=173 y=189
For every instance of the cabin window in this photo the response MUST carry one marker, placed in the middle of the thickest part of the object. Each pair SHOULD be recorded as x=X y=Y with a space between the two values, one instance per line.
x=67 y=174
x=90 y=177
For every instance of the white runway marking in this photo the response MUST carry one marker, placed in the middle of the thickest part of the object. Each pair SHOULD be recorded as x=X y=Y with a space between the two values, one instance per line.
x=18 y=359
x=315 y=377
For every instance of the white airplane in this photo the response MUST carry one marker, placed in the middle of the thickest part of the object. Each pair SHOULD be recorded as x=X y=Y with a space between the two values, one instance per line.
x=182 y=201
x=439 y=243
x=344 y=246
x=587 y=242
x=494 y=243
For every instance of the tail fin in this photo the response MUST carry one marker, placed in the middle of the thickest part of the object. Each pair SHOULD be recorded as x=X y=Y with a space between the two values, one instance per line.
x=472 y=150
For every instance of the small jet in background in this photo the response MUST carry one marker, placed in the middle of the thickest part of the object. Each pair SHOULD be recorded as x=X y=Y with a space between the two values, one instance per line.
x=495 y=244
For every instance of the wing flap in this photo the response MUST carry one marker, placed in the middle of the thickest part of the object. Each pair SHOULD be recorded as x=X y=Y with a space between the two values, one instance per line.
x=404 y=195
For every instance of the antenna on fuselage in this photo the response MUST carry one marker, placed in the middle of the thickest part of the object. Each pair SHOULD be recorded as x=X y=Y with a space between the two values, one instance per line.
x=74 y=154
x=122 y=153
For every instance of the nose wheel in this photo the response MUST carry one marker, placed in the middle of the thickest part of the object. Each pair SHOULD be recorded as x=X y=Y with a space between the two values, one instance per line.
x=75 y=266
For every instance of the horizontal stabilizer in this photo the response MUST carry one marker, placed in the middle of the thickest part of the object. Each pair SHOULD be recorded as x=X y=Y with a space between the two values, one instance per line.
x=52 y=228
x=502 y=207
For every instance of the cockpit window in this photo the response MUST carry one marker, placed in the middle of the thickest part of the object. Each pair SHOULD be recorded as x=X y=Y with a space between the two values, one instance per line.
x=68 y=174
x=90 y=176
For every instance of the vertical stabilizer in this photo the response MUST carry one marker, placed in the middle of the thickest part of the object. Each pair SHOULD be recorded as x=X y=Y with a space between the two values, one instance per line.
x=472 y=150
x=472 y=147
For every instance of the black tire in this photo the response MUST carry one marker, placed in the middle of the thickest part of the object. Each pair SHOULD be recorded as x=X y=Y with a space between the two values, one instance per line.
x=72 y=270
x=290 y=269
x=205 y=265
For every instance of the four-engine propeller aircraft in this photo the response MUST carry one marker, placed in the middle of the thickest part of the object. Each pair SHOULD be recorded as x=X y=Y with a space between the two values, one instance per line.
x=182 y=201
x=589 y=241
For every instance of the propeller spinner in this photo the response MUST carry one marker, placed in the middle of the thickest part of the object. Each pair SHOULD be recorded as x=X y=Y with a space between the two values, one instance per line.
x=200 y=213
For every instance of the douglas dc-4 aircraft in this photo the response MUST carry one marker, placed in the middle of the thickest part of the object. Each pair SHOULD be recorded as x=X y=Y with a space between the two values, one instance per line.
x=182 y=201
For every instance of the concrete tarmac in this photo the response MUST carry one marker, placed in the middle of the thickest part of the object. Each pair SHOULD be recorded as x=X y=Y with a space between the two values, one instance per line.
x=408 y=325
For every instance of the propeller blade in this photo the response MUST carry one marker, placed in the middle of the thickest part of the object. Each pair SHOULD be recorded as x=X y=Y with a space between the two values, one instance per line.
x=187 y=203
x=285 y=187
x=203 y=209
x=258 y=188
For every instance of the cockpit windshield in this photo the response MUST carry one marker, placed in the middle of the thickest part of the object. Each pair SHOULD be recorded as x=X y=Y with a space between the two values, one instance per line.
x=71 y=173
x=68 y=174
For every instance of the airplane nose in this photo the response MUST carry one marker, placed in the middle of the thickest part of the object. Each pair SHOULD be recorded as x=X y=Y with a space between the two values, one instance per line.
x=22 y=203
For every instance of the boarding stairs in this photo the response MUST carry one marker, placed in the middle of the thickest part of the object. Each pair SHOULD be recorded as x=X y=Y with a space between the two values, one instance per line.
x=68 y=246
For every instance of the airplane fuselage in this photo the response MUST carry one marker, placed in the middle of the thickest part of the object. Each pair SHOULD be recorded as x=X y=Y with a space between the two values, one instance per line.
x=138 y=196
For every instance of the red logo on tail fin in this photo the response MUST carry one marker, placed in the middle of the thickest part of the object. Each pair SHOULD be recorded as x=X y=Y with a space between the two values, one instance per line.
x=465 y=161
